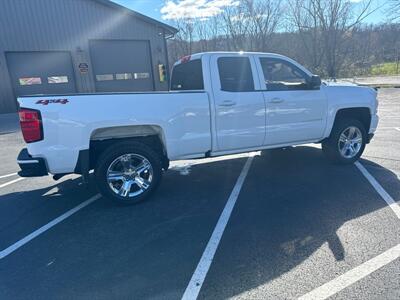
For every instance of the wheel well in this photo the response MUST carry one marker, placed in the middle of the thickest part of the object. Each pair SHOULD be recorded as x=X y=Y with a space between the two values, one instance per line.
x=359 y=113
x=98 y=146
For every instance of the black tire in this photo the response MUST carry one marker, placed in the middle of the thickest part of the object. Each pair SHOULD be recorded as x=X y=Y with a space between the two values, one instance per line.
x=330 y=146
x=112 y=154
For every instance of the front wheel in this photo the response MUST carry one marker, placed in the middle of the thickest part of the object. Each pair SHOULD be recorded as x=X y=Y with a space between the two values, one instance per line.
x=346 y=142
x=128 y=173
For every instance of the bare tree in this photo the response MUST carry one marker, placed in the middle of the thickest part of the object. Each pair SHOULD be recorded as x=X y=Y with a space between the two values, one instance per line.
x=207 y=31
x=215 y=32
x=203 y=35
x=182 y=44
x=325 y=35
x=236 y=23
x=393 y=10
x=302 y=15
x=330 y=23
x=264 y=18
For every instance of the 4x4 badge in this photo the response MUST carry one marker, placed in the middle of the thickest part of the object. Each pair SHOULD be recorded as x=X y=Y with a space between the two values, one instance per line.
x=50 y=101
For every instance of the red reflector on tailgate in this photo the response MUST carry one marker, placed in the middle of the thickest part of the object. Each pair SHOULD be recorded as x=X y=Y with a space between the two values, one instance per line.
x=31 y=124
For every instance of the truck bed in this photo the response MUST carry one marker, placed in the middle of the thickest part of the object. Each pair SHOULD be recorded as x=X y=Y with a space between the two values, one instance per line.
x=70 y=121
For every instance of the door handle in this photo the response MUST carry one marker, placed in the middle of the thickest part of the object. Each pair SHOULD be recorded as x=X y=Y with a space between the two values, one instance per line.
x=227 y=103
x=277 y=100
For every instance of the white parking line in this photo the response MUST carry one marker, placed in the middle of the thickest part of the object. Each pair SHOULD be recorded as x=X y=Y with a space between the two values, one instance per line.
x=11 y=182
x=8 y=175
x=388 y=128
x=197 y=280
x=339 y=283
x=46 y=227
x=343 y=281
x=381 y=191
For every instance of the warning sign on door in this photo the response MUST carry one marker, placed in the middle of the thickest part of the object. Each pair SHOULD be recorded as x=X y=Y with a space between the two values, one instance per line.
x=83 y=68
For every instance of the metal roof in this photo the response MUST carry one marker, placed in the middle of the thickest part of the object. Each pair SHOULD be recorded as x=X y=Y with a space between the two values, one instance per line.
x=168 y=28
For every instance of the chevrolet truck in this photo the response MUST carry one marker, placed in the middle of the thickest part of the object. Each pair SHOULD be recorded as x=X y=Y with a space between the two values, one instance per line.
x=219 y=103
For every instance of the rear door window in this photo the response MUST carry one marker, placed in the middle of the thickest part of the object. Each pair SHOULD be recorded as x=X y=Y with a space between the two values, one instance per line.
x=187 y=76
x=235 y=74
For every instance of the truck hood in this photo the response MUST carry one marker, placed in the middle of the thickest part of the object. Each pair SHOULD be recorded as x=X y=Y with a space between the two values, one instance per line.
x=347 y=93
x=348 y=87
x=340 y=83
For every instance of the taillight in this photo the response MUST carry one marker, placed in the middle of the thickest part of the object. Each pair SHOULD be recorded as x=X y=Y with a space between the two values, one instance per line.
x=31 y=125
x=185 y=59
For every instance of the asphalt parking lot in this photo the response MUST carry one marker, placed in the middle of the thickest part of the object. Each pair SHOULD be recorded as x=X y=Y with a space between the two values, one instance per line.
x=272 y=225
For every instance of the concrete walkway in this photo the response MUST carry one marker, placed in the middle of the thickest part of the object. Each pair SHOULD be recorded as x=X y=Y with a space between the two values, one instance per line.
x=380 y=81
x=9 y=123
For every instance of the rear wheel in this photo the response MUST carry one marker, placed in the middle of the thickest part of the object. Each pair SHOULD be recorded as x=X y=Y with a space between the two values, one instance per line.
x=347 y=141
x=128 y=173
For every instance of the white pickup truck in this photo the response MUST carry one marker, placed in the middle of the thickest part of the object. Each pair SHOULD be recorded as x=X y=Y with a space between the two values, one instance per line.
x=220 y=103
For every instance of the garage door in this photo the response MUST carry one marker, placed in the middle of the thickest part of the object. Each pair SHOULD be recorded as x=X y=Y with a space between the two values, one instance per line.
x=121 y=65
x=41 y=72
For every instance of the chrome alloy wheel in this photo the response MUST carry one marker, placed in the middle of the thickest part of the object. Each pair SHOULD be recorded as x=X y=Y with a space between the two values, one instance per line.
x=350 y=142
x=129 y=175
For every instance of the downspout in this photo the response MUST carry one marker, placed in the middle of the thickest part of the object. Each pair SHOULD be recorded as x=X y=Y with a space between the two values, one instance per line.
x=166 y=55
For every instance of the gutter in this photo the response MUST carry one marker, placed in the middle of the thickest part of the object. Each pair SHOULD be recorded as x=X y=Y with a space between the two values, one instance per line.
x=167 y=37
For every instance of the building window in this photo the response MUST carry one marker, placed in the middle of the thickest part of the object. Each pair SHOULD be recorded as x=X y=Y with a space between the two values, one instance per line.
x=141 y=75
x=104 y=77
x=57 y=79
x=123 y=76
x=30 y=80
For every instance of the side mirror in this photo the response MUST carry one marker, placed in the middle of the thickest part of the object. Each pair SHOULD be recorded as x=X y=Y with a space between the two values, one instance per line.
x=315 y=82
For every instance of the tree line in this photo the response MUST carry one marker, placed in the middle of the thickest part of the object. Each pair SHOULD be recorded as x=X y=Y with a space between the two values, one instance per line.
x=329 y=37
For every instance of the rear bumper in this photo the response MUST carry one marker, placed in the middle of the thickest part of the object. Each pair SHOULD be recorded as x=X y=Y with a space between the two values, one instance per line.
x=31 y=167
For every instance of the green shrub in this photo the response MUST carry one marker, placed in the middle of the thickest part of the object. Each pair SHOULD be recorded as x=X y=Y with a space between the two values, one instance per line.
x=388 y=68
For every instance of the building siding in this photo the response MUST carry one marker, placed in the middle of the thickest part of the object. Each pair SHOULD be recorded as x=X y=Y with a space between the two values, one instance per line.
x=69 y=25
